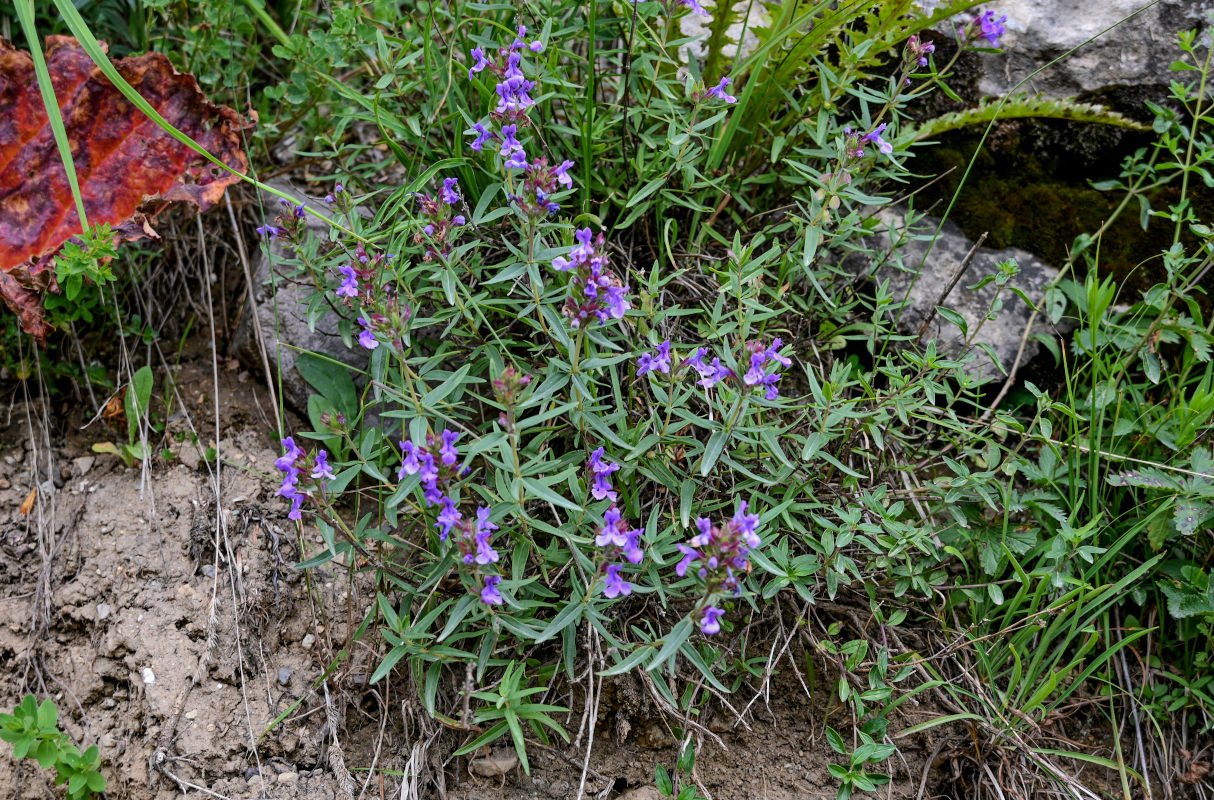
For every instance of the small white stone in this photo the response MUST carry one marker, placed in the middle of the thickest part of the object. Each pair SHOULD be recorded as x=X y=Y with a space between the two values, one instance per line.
x=307 y=642
x=149 y=677
x=103 y=611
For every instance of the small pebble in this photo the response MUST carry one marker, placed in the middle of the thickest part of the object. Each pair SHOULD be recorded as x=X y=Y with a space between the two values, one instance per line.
x=191 y=714
x=208 y=570
x=83 y=464
x=149 y=677
x=103 y=611
x=288 y=777
x=307 y=642
x=284 y=676
x=109 y=702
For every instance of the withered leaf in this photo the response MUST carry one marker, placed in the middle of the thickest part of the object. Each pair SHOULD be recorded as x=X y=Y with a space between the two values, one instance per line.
x=123 y=159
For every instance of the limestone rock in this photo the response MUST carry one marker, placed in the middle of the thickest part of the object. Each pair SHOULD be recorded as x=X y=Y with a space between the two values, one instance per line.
x=1135 y=53
x=1003 y=333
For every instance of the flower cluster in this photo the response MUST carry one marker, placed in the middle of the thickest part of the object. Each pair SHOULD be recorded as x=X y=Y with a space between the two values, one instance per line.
x=757 y=376
x=657 y=361
x=540 y=182
x=593 y=288
x=710 y=373
x=440 y=222
x=718 y=555
x=514 y=98
x=287 y=225
x=336 y=196
x=760 y=373
x=918 y=50
x=294 y=464
x=435 y=463
x=985 y=26
x=616 y=539
x=854 y=147
x=474 y=537
x=380 y=312
x=507 y=389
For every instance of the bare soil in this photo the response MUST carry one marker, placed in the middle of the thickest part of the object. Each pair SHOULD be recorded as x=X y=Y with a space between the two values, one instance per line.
x=161 y=609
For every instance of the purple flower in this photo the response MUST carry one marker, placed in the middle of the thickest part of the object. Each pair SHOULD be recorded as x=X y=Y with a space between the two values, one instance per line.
x=615 y=584
x=719 y=92
x=990 y=28
x=561 y=173
x=482 y=135
x=322 y=470
x=745 y=524
x=517 y=160
x=610 y=533
x=514 y=89
x=659 y=361
x=349 y=285
x=755 y=374
x=410 y=466
x=478 y=64
x=490 y=596
x=272 y=231
x=448 y=517
x=875 y=137
x=602 y=477
x=918 y=49
x=448 y=452
x=290 y=482
x=367 y=338
x=562 y=264
x=535 y=47
x=710 y=374
x=689 y=556
x=449 y=194
x=711 y=624
x=772 y=353
x=695 y=7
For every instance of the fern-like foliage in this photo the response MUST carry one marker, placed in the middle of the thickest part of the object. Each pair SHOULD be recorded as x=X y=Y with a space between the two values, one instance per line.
x=1023 y=105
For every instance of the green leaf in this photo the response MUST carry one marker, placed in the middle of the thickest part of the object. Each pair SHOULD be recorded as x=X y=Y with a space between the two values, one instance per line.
x=331 y=380
x=662 y=780
x=713 y=450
